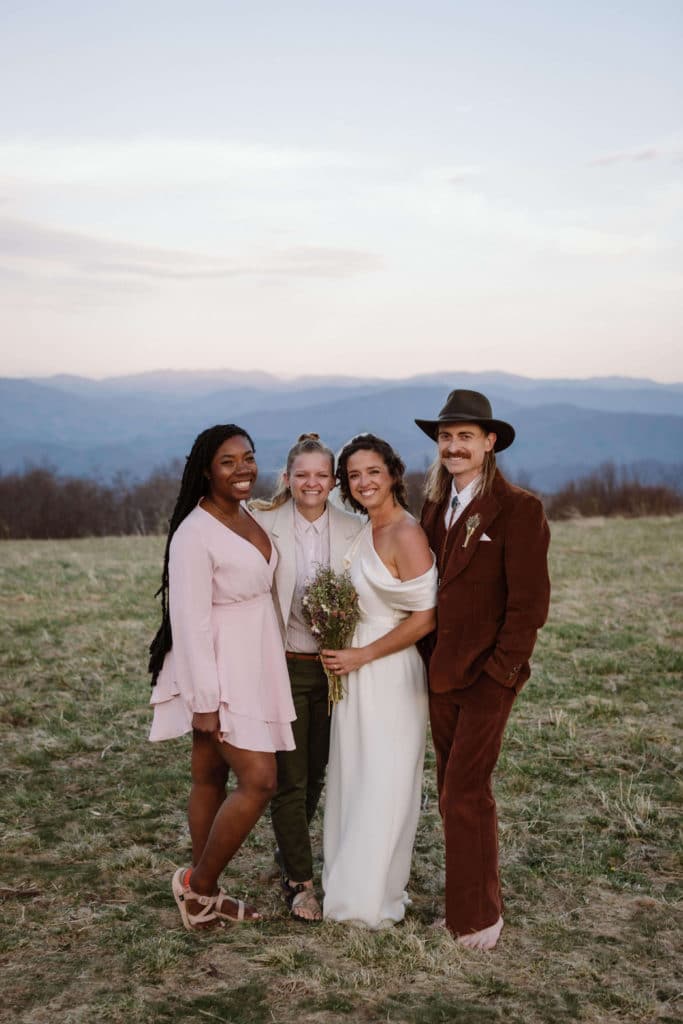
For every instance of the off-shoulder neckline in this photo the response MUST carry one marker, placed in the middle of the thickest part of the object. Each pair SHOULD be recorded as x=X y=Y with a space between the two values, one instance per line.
x=396 y=579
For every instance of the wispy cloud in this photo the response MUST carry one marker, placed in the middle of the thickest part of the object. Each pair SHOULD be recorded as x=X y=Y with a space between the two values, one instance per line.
x=25 y=243
x=149 y=163
x=450 y=175
x=636 y=156
x=464 y=176
x=484 y=219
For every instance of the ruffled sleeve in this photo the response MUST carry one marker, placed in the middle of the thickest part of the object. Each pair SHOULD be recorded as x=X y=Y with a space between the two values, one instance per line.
x=190 y=570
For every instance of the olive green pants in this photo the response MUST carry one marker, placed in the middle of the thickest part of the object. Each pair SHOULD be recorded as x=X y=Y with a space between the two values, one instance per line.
x=301 y=772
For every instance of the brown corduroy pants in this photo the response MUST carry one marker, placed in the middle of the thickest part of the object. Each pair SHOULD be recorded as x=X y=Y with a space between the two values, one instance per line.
x=467 y=730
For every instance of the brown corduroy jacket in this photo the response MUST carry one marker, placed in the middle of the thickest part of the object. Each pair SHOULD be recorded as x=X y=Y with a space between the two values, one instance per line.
x=493 y=594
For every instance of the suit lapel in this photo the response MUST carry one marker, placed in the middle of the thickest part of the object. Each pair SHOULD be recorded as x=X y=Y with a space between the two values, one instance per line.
x=283 y=531
x=343 y=530
x=435 y=528
x=458 y=551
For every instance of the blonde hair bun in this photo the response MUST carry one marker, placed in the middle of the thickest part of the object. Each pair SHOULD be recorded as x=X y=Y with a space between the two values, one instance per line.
x=306 y=445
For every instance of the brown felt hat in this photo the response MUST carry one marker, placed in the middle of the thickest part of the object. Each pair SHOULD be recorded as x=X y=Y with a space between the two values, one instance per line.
x=470 y=407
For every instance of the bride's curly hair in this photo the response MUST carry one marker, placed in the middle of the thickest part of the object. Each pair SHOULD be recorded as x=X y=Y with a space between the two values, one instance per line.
x=391 y=459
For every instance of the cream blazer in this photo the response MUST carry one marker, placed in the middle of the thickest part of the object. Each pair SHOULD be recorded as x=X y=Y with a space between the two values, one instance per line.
x=279 y=525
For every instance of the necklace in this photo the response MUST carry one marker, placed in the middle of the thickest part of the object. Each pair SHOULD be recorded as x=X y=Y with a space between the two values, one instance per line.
x=232 y=526
x=219 y=511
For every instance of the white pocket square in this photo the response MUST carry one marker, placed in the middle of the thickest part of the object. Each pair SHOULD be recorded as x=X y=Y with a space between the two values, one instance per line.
x=484 y=536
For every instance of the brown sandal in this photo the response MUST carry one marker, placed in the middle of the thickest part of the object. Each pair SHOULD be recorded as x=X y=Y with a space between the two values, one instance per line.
x=300 y=897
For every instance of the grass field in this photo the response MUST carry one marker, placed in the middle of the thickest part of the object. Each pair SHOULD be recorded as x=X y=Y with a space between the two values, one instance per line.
x=93 y=818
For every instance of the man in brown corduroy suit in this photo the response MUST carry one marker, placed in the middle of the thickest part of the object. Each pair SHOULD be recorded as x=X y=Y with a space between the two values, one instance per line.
x=491 y=543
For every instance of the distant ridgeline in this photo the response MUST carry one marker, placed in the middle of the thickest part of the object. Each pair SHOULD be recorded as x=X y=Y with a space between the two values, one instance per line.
x=128 y=427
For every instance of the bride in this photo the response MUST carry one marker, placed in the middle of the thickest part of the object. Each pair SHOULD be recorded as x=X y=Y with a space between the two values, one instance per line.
x=378 y=730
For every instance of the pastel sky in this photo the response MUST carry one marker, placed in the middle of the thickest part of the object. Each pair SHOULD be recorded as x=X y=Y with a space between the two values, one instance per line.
x=375 y=188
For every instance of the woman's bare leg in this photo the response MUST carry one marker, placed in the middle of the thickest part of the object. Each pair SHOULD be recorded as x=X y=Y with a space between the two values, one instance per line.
x=236 y=814
x=209 y=777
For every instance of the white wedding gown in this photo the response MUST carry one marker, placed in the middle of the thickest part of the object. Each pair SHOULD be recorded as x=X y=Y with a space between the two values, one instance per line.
x=374 y=776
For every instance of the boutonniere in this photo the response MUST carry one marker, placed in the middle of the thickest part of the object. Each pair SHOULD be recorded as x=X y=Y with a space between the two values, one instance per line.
x=471 y=524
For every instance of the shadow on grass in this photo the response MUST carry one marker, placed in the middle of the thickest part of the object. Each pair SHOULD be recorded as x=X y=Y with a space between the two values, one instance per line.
x=244 y=1005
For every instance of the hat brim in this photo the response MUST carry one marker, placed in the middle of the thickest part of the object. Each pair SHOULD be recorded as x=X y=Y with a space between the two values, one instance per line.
x=505 y=433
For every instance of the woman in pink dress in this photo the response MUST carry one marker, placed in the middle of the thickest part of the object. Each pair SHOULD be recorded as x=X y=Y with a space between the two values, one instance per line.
x=218 y=667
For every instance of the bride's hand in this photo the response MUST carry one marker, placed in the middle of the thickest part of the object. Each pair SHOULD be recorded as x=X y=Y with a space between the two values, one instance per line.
x=350 y=659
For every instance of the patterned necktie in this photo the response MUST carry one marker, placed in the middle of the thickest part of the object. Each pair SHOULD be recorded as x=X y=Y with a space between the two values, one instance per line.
x=451 y=517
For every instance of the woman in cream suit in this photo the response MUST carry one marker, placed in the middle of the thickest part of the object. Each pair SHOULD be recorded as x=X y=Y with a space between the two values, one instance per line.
x=307 y=531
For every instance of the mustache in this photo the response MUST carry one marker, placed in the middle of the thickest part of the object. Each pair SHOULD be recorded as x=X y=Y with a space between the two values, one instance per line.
x=459 y=453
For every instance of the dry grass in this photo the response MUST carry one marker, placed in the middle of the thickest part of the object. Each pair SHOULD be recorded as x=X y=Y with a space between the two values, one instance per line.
x=93 y=818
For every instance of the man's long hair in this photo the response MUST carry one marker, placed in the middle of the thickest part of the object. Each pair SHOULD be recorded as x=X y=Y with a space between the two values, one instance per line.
x=438 y=480
x=193 y=486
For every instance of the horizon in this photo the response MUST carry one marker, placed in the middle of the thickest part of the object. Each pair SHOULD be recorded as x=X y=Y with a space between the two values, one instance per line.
x=289 y=378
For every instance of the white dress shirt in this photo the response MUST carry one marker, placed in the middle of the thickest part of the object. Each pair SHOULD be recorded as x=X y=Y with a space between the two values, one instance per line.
x=312 y=545
x=465 y=496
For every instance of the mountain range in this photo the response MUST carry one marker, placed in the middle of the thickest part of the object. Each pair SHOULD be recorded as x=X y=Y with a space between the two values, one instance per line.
x=135 y=424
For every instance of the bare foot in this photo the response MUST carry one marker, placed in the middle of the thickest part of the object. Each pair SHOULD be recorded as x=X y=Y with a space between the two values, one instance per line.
x=303 y=903
x=230 y=909
x=484 y=939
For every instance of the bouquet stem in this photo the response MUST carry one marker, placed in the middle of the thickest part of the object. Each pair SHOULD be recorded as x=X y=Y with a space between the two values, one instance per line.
x=335 y=690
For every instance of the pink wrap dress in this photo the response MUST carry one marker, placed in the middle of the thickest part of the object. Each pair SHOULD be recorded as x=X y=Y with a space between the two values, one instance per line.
x=227 y=653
